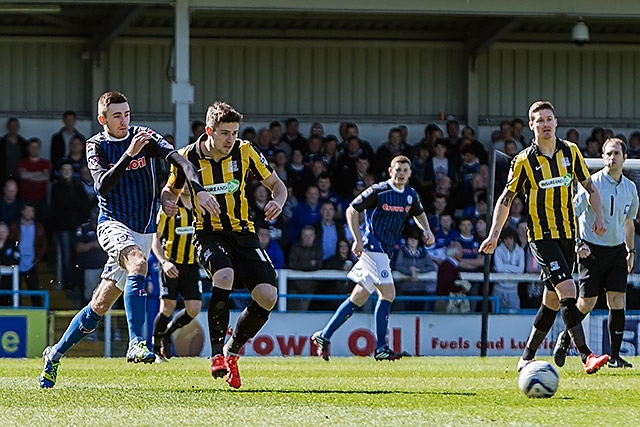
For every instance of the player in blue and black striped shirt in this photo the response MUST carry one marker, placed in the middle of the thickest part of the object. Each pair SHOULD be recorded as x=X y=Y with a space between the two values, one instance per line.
x=386 y=206
x=121 y=162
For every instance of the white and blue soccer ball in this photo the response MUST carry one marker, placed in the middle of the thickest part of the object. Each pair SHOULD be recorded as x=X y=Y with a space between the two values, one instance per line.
x=538 y=379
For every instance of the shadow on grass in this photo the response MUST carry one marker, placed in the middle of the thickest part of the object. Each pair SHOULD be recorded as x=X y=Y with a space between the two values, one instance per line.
x=355 y=392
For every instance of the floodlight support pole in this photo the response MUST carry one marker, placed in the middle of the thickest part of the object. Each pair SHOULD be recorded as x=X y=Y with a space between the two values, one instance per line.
x=487 y=258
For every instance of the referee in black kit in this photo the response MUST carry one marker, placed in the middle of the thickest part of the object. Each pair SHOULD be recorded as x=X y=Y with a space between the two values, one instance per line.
x=604 y=261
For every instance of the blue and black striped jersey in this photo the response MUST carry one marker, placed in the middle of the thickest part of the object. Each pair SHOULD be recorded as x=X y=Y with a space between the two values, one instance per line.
x=133 y=197
x=385 y=210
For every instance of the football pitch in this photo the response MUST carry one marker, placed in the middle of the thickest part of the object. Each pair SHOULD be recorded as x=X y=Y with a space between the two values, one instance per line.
x=297 y=391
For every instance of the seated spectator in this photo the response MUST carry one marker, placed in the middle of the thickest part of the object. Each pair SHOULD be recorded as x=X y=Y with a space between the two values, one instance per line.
x=32 y=244
x=439 y=206
x=34 y=173
x=351 y=130
x=448 y=281
x=313 y=149
x=330 y=152
x=299 y=175
x=471 y=260
x=305 y=213
x=412 y=260
x=511 y=148
x=278 y=227
x=263 y=144
x=249 y=134
x=279 y=165
x=89 y=255
x=86 y=180
x=517 y=127
x=305 y=255
x=508 y=258
x=271 y=247
x=573 y=136
x=593 y=150
x=387 y=151
x=60 y=141
x=480 y=229
x=343 y=174
x=316 y=129
x=515 y=212
x=328 y=230
x=446 y=232
x=479 y=207
x=76 y=157
x=9 y=255
x=318 y=167
x=10 y=205
x=327 y=195
x=277 y=141
x=197 y=129
x=292 y=135
x=342 y=260
x=70 y=203
x=422 y=174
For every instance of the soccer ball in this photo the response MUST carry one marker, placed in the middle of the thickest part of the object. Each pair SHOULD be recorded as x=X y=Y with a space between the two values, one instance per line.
x=538 y=379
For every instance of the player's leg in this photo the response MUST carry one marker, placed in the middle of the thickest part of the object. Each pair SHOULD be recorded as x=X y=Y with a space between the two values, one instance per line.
x=160 y=323
x=542 y=324
x=83 y=323
x=615 y=301
x=191 y=290
x=322 y=339
x=386 y=295
x=561 y=348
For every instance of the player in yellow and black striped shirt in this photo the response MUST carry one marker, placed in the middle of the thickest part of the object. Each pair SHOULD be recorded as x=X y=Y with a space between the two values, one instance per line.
x=545 y=172
x=226 y=243
x=173 y=246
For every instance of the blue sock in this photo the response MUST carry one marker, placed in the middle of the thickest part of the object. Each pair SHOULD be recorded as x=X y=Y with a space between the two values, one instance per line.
x=341 y=315
x=135 y=304
x=381 y=316
x=80 y=326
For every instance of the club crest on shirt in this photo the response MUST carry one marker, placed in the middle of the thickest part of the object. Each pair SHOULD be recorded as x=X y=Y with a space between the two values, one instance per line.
x=232 y=166
x=566 y=162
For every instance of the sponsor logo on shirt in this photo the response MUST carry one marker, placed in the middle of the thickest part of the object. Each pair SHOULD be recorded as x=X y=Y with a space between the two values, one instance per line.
x=561 y=181
x=224 y=188
x=185 y=230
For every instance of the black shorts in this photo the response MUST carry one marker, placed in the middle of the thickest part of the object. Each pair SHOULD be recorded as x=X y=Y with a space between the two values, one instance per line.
x=241 y=251
x=187 y=284
x=556 y=258
x=605 y=268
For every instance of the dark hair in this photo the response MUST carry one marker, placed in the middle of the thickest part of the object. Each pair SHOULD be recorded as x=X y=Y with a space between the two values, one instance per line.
x=196 y=124
x=221 y=112
x=541 y=105
x=291 y=120
x=508 y=232
x=109 y=98
x=623 y=145
x=274 y=124
x=69 y=113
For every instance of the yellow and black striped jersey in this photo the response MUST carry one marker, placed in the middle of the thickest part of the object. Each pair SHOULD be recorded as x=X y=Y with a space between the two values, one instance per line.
x=226 y=180
x=547 y=183
x=176 y=235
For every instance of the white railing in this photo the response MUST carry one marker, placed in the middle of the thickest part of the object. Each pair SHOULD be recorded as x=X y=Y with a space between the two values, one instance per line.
x=15 y=286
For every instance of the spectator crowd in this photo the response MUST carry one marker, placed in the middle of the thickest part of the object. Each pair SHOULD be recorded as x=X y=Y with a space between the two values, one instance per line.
x=48 y=205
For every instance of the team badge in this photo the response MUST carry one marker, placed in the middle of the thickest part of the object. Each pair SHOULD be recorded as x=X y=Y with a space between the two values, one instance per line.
x=233 y=166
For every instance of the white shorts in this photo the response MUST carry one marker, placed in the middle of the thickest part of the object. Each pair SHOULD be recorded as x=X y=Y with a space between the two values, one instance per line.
x=114 y=236
x=371 y=270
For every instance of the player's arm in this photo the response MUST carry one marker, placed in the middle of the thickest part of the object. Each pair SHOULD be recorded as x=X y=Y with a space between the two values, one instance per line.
x=500 y=215
x=105 y=178
x=596 y=204
x=278 y=195
x=354 y=225
x=167 y=266
x=423 y=223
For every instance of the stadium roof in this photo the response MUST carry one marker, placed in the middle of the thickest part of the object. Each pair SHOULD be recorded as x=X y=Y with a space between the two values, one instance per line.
x=477 y=23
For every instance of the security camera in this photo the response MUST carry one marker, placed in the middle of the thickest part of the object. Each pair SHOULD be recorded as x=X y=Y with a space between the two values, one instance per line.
x=580 y=33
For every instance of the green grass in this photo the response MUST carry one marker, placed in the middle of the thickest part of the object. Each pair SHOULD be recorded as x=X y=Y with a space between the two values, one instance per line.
x=436 y=391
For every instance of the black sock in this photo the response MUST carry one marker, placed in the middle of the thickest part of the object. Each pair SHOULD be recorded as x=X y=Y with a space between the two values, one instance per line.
x=218 y=317
x=541 y=326
x=573 y=323
x=616 y=330
x=159 y=327
x=566 y=338
x=251 y=320
x=181 y=319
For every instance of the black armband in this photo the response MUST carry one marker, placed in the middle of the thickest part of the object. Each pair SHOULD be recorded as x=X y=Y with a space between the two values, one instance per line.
x=631 y=251
x=197 y=187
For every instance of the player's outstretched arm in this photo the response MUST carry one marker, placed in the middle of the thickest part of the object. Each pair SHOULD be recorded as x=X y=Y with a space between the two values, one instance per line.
x=423 y=223
x=500 y=215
